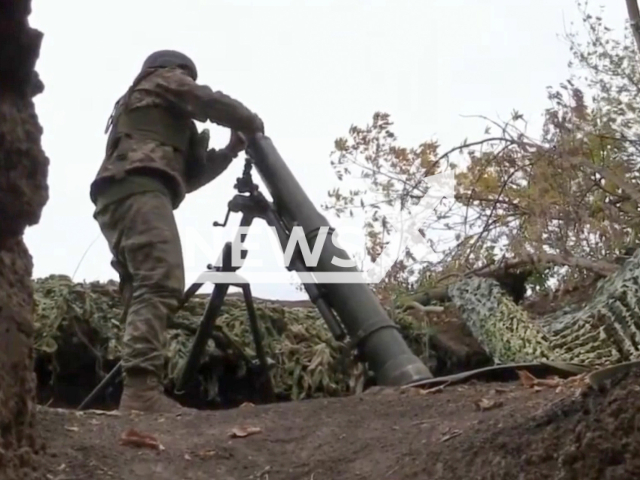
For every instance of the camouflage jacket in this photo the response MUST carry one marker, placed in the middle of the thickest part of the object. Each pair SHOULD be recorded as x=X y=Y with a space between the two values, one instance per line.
x=162 y=143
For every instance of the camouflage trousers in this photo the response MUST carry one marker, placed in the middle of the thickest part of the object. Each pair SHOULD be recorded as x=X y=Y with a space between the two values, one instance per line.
x=143 y=238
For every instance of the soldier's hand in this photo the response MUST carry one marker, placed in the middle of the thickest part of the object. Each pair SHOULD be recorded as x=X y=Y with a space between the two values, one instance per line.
x=203 y=139
x=201 y=146
x=204 y=136
x=237 y=143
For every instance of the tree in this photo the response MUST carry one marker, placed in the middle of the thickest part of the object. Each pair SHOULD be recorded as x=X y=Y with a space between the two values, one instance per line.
x=566 y=199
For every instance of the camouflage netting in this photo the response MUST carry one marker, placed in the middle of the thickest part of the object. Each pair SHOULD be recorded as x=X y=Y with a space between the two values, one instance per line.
x=604 y=330
x=79 y=333
x=23 y=194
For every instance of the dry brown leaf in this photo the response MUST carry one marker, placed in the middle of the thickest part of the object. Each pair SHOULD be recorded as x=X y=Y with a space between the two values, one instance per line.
x=526 y=378
x=241 y=432
x=579 y=380
x=530 y=381
x=549 y=382
x=488 y=404
x=134 y=438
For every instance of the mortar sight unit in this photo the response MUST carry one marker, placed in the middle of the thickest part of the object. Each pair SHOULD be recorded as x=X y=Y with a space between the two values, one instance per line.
x=349 y=309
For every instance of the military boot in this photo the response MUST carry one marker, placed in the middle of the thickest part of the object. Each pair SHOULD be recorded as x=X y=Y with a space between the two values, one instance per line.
x=143 y=392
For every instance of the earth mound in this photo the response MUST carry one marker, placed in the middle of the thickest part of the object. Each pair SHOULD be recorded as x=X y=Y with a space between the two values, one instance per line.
x=561 y=430
x=23 y=194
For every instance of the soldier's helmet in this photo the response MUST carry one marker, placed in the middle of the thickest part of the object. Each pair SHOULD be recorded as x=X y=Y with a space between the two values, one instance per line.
x=171 y=58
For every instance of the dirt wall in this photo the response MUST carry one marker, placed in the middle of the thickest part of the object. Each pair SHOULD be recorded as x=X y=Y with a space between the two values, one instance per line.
x=23 y=194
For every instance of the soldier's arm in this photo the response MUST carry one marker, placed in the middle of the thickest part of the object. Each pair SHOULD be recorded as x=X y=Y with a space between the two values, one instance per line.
x=201 y=103
x=217 y=161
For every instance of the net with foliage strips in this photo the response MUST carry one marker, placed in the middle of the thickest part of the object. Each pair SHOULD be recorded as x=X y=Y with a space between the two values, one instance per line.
x=79 y=332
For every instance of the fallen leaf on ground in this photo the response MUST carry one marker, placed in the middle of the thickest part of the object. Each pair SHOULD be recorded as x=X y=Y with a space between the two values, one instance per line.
x=241 y=432
x=488 y=404
x=530 y=381
x=578 y=380
x=549 y=382
x=247 y=404
x=133 y=438
x=72 y=429
x=526 y=378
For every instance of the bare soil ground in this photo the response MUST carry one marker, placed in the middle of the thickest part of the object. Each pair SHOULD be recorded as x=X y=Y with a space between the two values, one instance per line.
x=470 y=431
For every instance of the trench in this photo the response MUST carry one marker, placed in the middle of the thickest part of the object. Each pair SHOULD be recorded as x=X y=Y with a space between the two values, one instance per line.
x=68 y=376
x=69 y=389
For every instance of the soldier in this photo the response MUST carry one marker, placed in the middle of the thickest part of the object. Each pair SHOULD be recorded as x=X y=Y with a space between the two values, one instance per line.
x=154 y=157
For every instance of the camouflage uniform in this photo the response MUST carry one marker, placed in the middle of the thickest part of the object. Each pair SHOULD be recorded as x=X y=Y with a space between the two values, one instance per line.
x=154 y=157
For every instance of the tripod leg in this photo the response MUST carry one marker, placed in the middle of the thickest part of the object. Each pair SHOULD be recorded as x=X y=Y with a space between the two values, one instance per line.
x=191 y=291
x=101 y=386
x=190 y=366
x=257 y=340
x=253 y=324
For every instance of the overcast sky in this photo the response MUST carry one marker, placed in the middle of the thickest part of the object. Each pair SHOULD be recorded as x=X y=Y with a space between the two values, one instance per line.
x=310 y=69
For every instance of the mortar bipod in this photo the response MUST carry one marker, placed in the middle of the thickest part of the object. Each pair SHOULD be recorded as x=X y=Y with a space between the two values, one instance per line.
x=223 y=277
x=188 y=369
